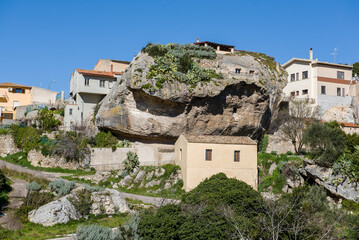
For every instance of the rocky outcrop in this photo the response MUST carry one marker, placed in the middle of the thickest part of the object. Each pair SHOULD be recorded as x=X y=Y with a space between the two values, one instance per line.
x=238 y=104
x=337 y=185
x=108 y=201
x=7 y=145
x=339 y=114
x=59 y=211
x=37 y=159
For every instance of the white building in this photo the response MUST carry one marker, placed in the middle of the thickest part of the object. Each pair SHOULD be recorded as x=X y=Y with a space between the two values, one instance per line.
x=88 y=88
x=324 y=84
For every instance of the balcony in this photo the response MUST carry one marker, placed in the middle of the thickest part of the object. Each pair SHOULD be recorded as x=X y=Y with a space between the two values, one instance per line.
x=4 y=97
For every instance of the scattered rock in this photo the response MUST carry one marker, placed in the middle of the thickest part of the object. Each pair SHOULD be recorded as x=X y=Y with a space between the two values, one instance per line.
x=272 y=168
x=167 y=185
x=152 y=183
x=59 y=211
x=150 y=175
x=139 y=177
x=134 y=173
x=159 y=172
x=270 y=196
x=108 y=201
x=125 y=181
x=36 y=158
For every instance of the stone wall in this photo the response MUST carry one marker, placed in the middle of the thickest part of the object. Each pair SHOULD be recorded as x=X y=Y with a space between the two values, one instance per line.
x=38 y=160
x=105 y=159
x=7 y=145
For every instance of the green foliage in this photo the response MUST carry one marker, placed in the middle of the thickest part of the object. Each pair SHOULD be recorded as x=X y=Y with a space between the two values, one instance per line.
x=33 y=187
x=356 y=69
x=95 y=111
x=92 y=189
x=174 y=62
x=71 y=145
x=4 y=130
x=82 y=202
x=5 y=188
x=47 y=120
x=348 y=165
x=350 y=205
x=105 y=140
x=61 y=187
x=25 y=138
x=326 y=143
x=124 y=144
x=263 y=144
x=130 y=229
x=96 y=232
x=131 y=162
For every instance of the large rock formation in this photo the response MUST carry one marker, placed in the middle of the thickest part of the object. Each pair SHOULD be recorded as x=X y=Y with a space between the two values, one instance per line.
x=242 y=103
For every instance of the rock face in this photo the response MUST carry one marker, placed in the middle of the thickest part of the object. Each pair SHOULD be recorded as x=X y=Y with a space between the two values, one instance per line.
x=339 y=114
x=239 y=104
x=108 y=201
x=325 y=178
x=37 y=159
x=7 y=145
x=59 y=211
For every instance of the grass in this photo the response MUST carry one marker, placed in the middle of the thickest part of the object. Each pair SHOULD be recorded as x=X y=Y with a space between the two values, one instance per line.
x=25 y=176
x=32 y=231
x=20 y=158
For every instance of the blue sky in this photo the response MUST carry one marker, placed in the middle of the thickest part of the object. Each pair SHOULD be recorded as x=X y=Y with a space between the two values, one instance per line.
x=44 y=41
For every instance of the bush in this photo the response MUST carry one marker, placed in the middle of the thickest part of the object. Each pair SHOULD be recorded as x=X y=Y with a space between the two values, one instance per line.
x=33 y=187
x=263 y=144
x=71 y=145
x=25 y=138
x=124 y=144
x=105 y=140
x=131 y=162
x=326 y=143
x=96 y=232
x=61 y=187
x=47 y=120
x=82 y=202
x=5 y=188
x=92 y=189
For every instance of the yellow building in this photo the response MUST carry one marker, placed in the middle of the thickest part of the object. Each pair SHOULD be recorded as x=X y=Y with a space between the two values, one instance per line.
x=200 y=157
x=13 y=95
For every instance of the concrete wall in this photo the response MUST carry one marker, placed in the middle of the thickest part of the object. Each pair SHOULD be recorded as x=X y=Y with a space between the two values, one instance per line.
x=41 y=95
x=105 y=65
x=331 y=71
x=7 y=145
x=77 y=84
x=300 y=84
x=104 y=159
x=195 y=168
x=325 y=102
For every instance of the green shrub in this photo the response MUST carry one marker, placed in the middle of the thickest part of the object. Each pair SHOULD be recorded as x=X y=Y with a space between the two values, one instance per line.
x=5 y=188
x=92 y=189
x=124 y=144
x=105 y=140
x=82 y=202
x=47 y=120
x=263 y=144
x=96 y=232
x=95 y=111
x=33 y=187
x=25 y=138
x=60 y=187
x=131 y=162
x=350 y=205
x=71 y=145
x=4 y=130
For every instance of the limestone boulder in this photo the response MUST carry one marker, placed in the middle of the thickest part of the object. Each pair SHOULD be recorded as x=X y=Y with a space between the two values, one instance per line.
x=108 y=201
x=239 y=104
x=59 y=211
x=7 y=145
x=339 y=114
x=37 y=159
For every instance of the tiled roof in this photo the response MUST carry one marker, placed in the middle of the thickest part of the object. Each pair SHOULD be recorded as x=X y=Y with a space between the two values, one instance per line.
x=8 y=84
x=96 y=73
x=220 y=139
x=349 y=124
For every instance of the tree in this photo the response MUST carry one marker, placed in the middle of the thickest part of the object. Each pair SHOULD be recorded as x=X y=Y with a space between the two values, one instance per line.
x=295 y=122
x=356 y=69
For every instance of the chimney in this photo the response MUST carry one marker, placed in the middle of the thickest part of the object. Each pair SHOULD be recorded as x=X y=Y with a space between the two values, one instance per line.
x=311 y=54
x=111 y=69
x=197 y=39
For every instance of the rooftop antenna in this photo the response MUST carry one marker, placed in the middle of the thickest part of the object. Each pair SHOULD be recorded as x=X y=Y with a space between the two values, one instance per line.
x=334 y=53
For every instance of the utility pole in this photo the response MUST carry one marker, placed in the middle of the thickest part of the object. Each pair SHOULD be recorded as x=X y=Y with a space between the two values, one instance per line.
x=334 y=53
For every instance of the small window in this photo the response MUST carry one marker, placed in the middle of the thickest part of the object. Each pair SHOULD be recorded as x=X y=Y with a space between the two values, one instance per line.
x=251 y=72
x=343 y=92
x=70 y=111
x=15 y=104
x=340 y=75
x=338 y=92
x=19 y=90
x=87 y=82
x=292 y=77
x=236 y=156
x=323 y=90
x=292 y=94
x=305 y=92
x=208 y=154
x=305 y=74
x=238 y=70
x=297 y=93
x=102 y=83
x=297 y=76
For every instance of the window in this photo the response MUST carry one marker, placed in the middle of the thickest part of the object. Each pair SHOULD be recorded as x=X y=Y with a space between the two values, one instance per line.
x=305 y=74
x=343 y=91
x=292 y=94
x=323 y=90
x=19 y=90
x=70 y=111
x=297 y=75
x=340 y=75
x=102 y=83
x=87 y=82
x=238 y=70
x=15 y=104
x=292 y=77
x=297 y=93
x=236 y=156
x=305 y=92
x=208 y=154
x=251 y=72
x=338 y=91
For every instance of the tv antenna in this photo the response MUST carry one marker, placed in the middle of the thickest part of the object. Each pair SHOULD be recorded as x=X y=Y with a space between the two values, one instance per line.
x=334 y=53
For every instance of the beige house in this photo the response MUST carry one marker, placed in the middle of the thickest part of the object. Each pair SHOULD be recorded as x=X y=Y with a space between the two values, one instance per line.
x=200 y=157
x=13 y=95
x=324 y=84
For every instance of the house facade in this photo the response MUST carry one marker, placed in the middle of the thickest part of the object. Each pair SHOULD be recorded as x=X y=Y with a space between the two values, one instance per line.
x=200 y=157
x=13 y=95
x=323 y=84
